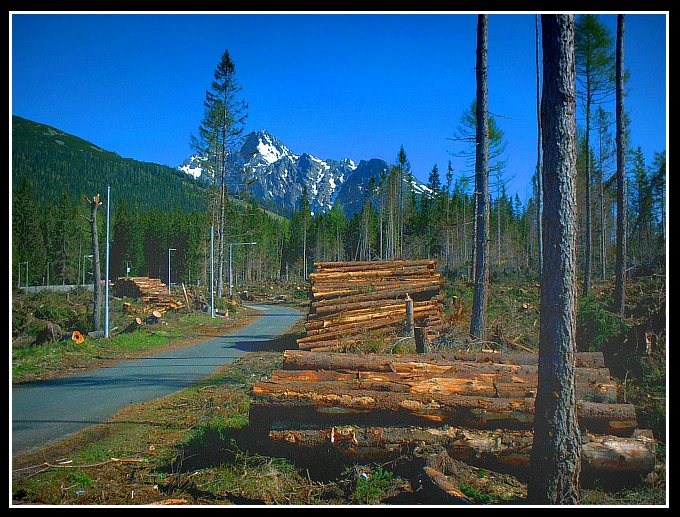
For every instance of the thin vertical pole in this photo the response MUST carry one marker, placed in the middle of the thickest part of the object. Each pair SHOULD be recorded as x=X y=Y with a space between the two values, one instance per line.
x=231 y=273
x=169 y=271
x=106 y=288
x=212 y=271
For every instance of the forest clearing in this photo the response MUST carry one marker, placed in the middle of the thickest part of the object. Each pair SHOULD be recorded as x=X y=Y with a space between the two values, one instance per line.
x=204 y=460
x=259 y=326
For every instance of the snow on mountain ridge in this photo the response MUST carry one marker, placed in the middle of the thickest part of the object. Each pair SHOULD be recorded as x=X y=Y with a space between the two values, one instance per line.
x=273 y=172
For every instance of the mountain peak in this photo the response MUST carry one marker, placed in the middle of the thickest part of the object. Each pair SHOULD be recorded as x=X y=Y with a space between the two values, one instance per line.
x=264 y=146
x=275 y=174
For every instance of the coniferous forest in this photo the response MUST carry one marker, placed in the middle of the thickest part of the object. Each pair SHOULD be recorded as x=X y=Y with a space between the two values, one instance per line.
x=156 y=207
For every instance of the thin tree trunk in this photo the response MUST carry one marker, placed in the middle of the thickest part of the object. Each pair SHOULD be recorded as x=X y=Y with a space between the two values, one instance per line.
x=621 y=186
x=555 y=456
x=539 y=181
x=589 y=231
x=97 y=277
x=478 y=321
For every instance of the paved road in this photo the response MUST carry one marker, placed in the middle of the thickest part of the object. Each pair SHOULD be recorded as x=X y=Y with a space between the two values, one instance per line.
x=47 y=411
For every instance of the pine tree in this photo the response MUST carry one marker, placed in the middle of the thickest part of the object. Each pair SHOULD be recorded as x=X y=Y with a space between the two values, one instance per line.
x=555 y=454
x=219 y=135
x=27 y=235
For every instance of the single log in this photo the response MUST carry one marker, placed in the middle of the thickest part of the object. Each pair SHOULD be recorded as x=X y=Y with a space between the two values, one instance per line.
x=424 y=291
x=302 y=360
x=397 y=271
x=602 y=456
x=375 y=264
x=484 y=385
x=289 y=402
x=450 y=493
x=295 y=359
x=155 y=316
x=134 y=325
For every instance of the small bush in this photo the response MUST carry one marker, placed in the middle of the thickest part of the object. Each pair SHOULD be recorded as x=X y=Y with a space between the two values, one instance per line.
x=371 y=486
x=596 y=326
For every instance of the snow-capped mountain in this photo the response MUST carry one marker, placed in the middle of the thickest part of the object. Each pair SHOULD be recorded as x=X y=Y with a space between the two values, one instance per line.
x=274 y=173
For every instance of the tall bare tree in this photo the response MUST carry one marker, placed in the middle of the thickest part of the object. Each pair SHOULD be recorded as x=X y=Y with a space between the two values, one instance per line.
x=539 y=182
x=555 y=455
x=98 y=297
x=479 y=304
x=621 y=184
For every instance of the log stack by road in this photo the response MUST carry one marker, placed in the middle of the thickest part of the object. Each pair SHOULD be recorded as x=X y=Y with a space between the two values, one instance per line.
x=479 y=407
x=349 y=299
x=149 y=290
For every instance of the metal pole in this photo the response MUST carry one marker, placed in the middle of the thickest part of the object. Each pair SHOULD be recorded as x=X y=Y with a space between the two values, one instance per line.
x=47 y=277
x=231 y=273
x=212 y=271
x=170 y=250
x=106 y=289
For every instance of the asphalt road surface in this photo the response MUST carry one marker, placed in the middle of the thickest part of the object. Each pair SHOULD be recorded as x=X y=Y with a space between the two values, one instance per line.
x=47 y=411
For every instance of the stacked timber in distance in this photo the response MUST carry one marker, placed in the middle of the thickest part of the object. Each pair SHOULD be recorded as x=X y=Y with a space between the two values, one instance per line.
x=150 y=290
x=349 y=299
x=477 y=406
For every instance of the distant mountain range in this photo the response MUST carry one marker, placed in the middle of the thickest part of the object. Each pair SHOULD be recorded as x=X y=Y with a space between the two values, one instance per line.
x=56 y=162
x=278 y=176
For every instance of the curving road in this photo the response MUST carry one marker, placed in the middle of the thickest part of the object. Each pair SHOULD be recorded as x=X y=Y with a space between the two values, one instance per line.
x=47 y=411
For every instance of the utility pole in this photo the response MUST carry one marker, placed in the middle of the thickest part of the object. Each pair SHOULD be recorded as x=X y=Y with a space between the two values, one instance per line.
x=106 y=288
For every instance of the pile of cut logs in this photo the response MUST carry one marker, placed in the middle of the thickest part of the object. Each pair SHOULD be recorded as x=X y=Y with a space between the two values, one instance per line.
x=150 y=290
x=348 y=299
x=478 y=406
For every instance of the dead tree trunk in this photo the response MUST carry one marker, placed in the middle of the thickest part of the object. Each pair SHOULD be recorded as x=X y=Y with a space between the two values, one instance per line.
x=98 y=297
x=555 y=455
x=478 y=321
x=621 y=186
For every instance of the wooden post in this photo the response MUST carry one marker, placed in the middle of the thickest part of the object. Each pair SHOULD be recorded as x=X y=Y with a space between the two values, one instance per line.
x=409 y=315
x=422 y=344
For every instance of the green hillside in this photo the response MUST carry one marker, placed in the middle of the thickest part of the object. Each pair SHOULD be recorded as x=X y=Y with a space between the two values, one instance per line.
x=55 y=162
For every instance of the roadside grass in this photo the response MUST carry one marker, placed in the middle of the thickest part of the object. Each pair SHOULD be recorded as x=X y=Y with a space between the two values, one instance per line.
x=42 y=361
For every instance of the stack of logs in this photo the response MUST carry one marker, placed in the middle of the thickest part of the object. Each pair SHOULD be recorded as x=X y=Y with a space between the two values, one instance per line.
x=348 y=299
x=150 y=290
x=478 y=406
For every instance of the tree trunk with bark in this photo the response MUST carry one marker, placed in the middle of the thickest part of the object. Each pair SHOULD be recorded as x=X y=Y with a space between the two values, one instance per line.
x=621 y=183
x=556 y=451
x=98 y=297
x=539 y=181
x=478 y=321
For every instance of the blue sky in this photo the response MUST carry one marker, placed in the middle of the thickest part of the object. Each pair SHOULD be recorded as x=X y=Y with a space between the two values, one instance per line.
x=334 y=85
